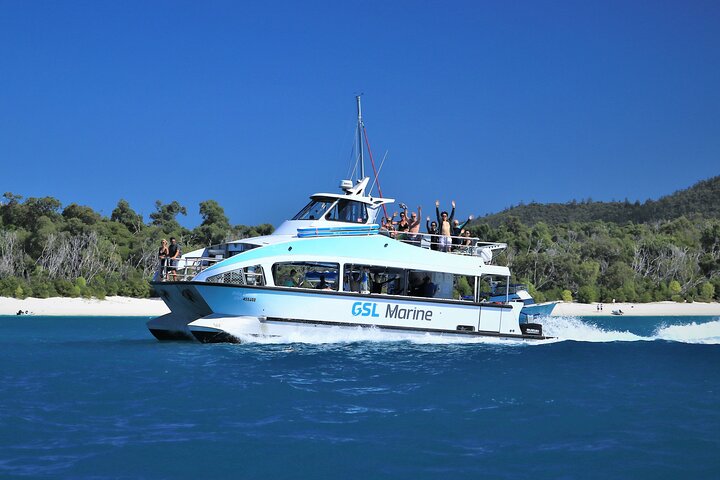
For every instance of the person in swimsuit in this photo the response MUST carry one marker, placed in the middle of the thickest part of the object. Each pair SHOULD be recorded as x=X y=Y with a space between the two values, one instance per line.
x=414 y=226
x=445 y=226
x=162 y=257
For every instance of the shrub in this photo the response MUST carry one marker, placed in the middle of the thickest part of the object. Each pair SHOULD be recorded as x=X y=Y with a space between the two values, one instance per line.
x=588 y=294
x=707 y=292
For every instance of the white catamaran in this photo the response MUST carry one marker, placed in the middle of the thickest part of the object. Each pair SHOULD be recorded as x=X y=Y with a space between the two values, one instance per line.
x=331 y=266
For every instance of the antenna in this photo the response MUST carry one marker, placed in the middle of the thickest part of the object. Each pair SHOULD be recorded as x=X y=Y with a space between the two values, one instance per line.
x=359 y=132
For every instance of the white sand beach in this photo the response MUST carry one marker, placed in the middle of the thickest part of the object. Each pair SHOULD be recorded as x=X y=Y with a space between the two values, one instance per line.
x=125 y=306
x=655 y=309
x=111 y=306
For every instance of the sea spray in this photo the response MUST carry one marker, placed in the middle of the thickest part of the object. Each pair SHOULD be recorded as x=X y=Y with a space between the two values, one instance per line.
x=561 y=328
x=705 y=333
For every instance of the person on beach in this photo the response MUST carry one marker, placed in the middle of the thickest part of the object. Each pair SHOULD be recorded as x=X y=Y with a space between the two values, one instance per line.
x=432 y=229
x=162 y=257
x=445 y=226
x=172 y=256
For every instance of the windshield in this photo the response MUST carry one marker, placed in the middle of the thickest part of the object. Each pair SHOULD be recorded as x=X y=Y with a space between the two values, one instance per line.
x=315 y=209
x=348 y=211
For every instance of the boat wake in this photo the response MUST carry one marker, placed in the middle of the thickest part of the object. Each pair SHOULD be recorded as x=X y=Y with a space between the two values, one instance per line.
x=571 y=328
x=562 y=328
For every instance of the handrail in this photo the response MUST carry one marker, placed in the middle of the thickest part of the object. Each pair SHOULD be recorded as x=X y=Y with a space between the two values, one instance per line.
x=185 y=269
x=458 y=245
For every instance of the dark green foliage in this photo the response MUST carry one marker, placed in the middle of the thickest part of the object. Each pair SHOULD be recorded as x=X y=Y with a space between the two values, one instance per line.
x=127 y=216
x=701 y=199
x=111 y=256
x=672 y=260
x=215 y=227
x=165 y=217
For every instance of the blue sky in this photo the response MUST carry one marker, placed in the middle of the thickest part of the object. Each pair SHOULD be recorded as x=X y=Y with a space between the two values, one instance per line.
x=252 y=103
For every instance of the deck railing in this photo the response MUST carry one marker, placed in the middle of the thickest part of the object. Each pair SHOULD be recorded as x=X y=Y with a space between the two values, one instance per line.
x=183 y=269
x=458 y=245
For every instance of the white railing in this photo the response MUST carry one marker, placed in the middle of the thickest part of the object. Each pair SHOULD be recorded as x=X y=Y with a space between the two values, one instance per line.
x=459 y=245
x=183 y=269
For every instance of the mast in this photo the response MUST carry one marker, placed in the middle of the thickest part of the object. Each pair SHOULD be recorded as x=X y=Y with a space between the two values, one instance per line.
x=359 y=132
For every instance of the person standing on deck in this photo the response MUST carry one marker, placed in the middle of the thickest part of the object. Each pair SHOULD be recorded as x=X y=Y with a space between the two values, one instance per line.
x=445 y=226
x=162 y=257
x=457 y=230
x=432 y=229
x=414 y=226
x=173 y=255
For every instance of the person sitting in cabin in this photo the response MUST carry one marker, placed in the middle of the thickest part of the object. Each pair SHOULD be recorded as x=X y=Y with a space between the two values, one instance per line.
x=322 y=284
x=432 y=229
x=173 y=255
x=457 y=230
x=445 y=226
x=292 y=279
x=162 y=257
x=427 y=288
x=377 y=283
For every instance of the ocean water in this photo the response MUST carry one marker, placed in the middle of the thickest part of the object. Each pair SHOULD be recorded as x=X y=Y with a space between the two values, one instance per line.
x=612 y=398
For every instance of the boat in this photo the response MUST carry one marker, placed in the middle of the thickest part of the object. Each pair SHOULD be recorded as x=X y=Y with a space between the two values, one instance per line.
x=332 y=267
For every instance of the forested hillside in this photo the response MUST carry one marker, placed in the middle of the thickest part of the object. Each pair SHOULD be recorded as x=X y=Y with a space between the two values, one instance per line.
x=702 y=199
x=662 y=250
x=47 y=250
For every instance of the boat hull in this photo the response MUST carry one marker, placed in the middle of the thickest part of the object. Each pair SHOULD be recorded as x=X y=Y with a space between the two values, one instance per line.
x=185 y=304
x=211 y=312
x=243 y=329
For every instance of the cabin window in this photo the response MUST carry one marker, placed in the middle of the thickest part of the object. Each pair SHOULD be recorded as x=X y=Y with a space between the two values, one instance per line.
x=317 y=275
x=373 y=279
x=315 y=209
x=413 y=283
x=252 y=275
x=348 y=211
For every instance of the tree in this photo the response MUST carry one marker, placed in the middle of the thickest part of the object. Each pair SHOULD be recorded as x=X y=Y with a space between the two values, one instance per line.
x=86 y=215
x=165 y=216
x=215 y=226
x=127 y=216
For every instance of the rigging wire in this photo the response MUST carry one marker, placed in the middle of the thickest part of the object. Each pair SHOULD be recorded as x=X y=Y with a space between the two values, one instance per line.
x=378 y=172
x=372 y=162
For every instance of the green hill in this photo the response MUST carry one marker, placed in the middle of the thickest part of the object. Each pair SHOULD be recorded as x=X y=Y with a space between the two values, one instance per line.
x=701 y=199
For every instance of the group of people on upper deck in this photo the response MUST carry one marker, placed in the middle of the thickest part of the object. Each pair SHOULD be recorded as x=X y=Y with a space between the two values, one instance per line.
x=446 y=234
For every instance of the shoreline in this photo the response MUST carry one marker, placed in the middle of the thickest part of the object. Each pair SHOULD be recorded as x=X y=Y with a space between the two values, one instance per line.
x=652 y=309
x=153 y=307
x=84 y=307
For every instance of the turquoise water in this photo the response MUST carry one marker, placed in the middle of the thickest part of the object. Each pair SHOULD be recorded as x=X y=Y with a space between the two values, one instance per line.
x=618 y=398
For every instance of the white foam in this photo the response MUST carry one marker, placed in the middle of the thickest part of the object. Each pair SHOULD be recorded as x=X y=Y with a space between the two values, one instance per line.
x=707 y=333
x=571 y=328
x=562 y=328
